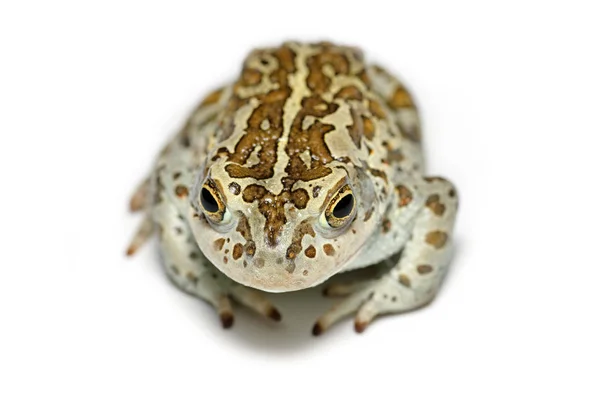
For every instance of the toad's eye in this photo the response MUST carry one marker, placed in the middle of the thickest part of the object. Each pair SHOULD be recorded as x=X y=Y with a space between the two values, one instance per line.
x=213 y=204
x=208 y=201
x=341 y=209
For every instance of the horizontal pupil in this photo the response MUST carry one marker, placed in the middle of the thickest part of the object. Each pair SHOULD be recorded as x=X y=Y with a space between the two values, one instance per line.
x=344 y=207
x=208 y=201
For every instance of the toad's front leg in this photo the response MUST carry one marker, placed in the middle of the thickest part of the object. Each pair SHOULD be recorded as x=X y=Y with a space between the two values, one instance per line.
x=415 y=279
x=191 y=271
x=186 y=265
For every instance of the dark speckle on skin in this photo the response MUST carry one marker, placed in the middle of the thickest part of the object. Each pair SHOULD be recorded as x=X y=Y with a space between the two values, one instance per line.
x=316 y=191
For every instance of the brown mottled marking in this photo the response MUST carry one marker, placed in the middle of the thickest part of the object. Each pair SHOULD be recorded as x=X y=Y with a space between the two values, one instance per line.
x=376 y=109
x=432 y=179
x=386 y=225
x=250 y=248
x=349 y=93
x=304 y=228
x=234 y=188
x=270 y=108
x=292 y=251
x=436 y=238
x=181 y=191
x=174 y=269
x=368 y=127
x=451 y=193
x=424 y=269
x=176 y=175
x=190 y=276
x=305 y=272
x=328 y=249
x=312 y=140
x=364 y=77
x=238 y=250
x=212 y=98
x=369 y=213
x=317 y=80
x=434 y=204
x=225 y=259
x=356 y=129
x=404 y=280
x=243 y=227
x=378 y=173
x=404 y=195
x=219 y=244
x=400 y=99
x=310 y=251
x=251 y=77
x=272 y=207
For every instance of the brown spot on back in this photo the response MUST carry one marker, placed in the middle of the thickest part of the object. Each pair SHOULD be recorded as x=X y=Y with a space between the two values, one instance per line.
x=368 y=127
x=400 y=99
x=317 y=80
x=328 y=249
x=190 y=276
x=424 y=269
x=349 y=93
x=181 y=191
x=404 y=195
x=376 y=109
x=212 y=98
x=434 y=204
x=270 y=109
x=378 y=173
x=386 y=225
x=436 y=238
x=251 y=77
x=356 y=130
x=219 y=244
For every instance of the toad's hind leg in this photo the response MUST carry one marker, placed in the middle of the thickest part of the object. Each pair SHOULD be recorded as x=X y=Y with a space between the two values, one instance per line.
x=414 y=279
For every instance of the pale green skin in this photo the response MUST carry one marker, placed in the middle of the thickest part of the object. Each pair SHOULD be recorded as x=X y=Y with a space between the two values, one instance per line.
x=421 y=228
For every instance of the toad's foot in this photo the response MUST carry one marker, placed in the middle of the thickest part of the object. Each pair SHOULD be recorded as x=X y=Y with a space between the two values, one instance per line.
x=218 y=290
x=369 y=299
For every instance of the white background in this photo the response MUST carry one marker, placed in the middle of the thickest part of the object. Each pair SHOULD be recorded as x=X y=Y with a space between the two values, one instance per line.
x=510 y=97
